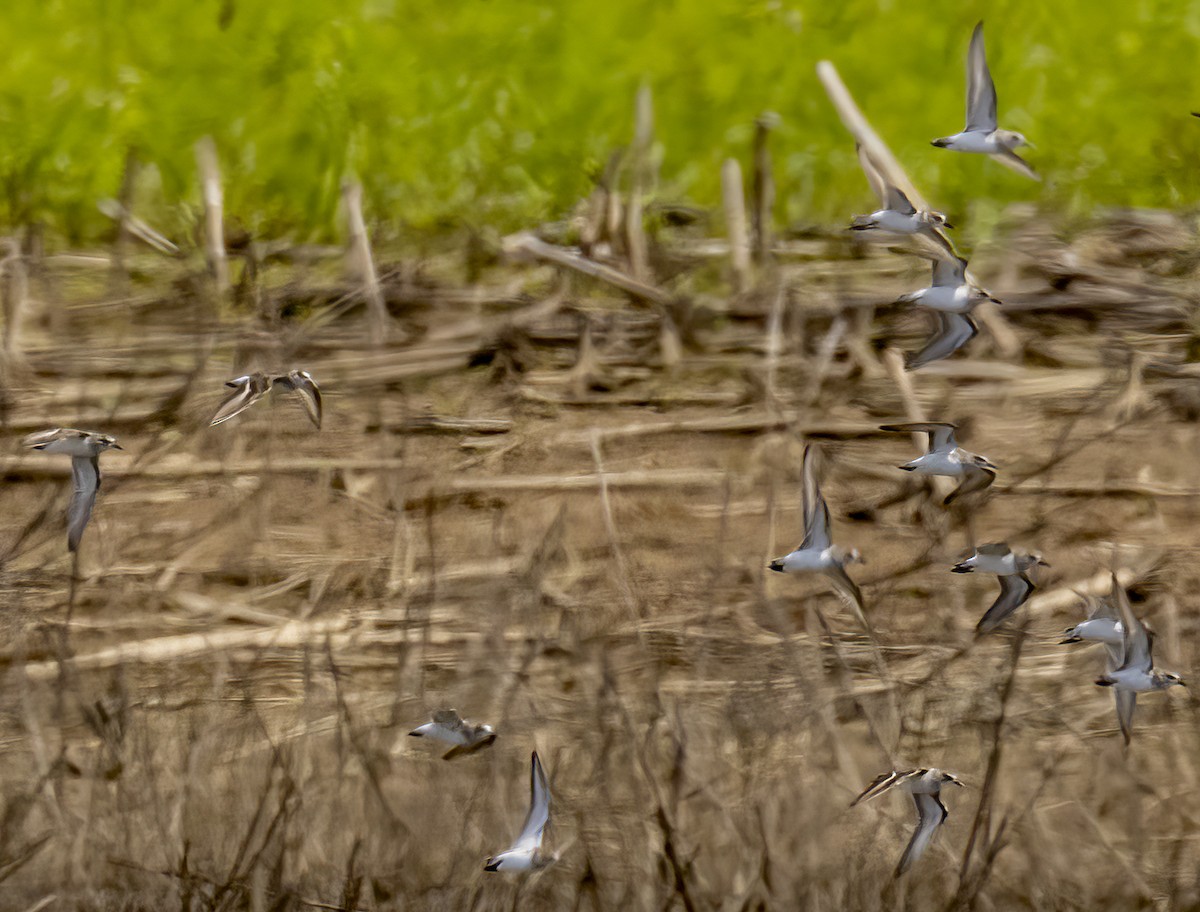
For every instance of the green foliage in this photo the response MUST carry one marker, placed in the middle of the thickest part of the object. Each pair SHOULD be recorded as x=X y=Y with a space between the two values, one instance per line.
x=484 y=111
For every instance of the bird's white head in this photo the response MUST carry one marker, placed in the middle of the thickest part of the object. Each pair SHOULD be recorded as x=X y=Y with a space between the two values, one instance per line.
x=1011 y=139
x=938 y=219
x=1167 y=679
x=104 y=442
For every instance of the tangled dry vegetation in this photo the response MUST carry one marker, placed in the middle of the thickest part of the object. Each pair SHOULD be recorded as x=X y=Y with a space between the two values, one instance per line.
x=550 y=504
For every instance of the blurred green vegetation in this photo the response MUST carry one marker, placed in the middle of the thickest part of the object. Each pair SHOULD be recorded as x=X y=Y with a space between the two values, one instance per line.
x=499 y=111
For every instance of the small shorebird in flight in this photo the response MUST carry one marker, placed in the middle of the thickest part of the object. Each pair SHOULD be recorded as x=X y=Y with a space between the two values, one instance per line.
x=1136 y=672
x=899 y=215
x=451 y=728
x=951 y=297
x=946 y=457
x=1012 y=568
x=84 y=448
x=816 y=552
x=982 y=133
x=525 y=854
x=249 y=389
x=925 y=787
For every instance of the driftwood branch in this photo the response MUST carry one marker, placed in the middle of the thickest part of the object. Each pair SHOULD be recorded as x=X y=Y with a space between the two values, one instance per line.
x=734 y=203
x=526 y=244
x=860 y=128
x=214 y=201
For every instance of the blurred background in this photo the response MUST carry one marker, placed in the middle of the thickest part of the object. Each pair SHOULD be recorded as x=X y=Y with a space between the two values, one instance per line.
x=499 y=114
x=575 y=318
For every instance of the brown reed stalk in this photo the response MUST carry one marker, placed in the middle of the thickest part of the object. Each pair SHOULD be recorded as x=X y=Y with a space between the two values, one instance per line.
x=973 y=876
x=762 y=210
x=643 y=139
x=361 y=264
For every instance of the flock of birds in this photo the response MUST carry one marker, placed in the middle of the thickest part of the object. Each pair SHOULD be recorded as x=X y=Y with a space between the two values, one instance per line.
x=1128 y=642
x=952 y=296
x=85 y=447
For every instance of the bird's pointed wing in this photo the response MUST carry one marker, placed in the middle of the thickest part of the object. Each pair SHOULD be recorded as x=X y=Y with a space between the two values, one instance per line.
x=539 y=808
x=1101 y=607
x=941 y=433
x=981 y=91
x=890 y=196
x=878 y=185
x=1138 y=643
x=243 y=396
x=879 y=785
x=477 y=741
x=881 y=156
x=995 y=549
x=898 y=201
x=931 y=812
x=448 y=719
x=85 y=472
x=954 y=331
x=848 y=589
x=949 y=272
x=976 y=480
x=943 y=436
x=936 y=242
x=305 y=387
x=446 y=727
x=816 y=511
x=1011 y=159
x=1014 y=590
x=1126 y=704
x=1114 y=656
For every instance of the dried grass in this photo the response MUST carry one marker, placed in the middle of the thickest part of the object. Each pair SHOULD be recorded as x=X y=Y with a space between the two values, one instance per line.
x=262 y=612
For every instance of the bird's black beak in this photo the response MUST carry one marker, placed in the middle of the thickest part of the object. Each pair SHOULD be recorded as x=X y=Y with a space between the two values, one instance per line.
x=776 y=565
x=492 y=865
x=117 y=446
x=947 y=224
